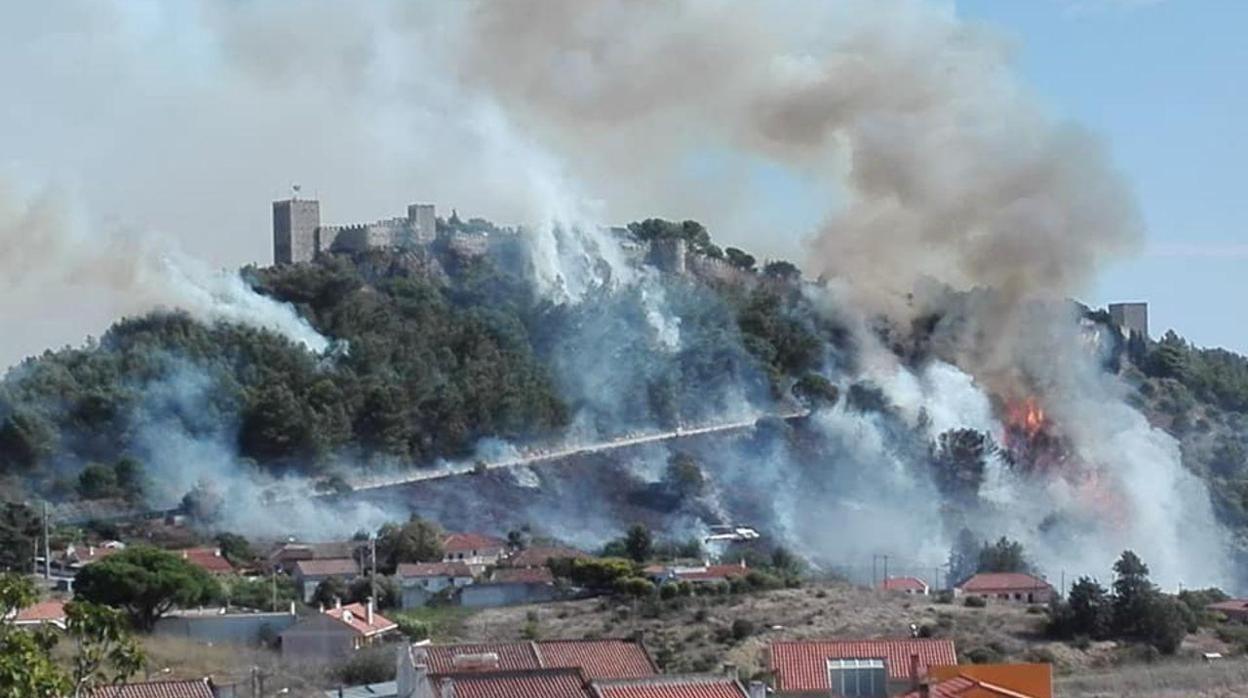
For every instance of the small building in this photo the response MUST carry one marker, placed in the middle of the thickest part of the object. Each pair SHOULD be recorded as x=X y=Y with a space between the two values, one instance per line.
x=988 y=681
x=473 y=549
x=705 y=573
x=862 y=668
x=524 y=683
x=335 y=633
x=1007 y=586
x=76 y=557
x=421 y=581
x=597 y=659
x=283 y=556
x=208 y=559
x=511 y=586
x=221 y=625
x=676 y=686
x=1233 y=609
x=195 y=688
x=906 y=585
x=50 y=612
x=308 y=574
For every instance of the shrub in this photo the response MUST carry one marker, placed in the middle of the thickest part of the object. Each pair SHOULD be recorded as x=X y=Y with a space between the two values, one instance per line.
x=742 y=628
x=983 y=655
x=374 y=665
x=975 y=602
x=636 y=587
x=944 y=596
x=412 y=628
x=758 y=580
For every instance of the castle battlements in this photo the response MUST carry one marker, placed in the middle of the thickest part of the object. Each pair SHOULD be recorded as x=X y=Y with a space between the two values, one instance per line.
x=299 y=236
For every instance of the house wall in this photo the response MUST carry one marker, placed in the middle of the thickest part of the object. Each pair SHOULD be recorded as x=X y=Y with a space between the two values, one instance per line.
x=417 y=591
x=490 y=595
x=309 y=583
x=246 y=629
x=1040 y=595
x=318 y=638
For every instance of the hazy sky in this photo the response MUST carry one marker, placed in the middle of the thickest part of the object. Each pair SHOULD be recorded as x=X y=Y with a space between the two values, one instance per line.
x=184 y=120
x=1165 y=82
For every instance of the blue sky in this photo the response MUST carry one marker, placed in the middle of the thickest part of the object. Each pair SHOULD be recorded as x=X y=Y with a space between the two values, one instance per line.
x=1165 y=82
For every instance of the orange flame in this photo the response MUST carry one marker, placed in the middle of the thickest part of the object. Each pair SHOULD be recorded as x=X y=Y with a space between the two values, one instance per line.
x=1027 y=416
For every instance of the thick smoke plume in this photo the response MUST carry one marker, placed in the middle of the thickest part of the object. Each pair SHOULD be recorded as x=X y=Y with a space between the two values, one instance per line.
x=936 y=162
x=928 y=171
x=50 y=249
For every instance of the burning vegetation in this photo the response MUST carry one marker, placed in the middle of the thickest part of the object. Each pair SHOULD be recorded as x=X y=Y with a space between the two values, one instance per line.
x=1032 y=441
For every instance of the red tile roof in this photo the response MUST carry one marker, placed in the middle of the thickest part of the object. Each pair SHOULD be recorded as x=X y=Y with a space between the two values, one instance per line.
x=51 y=611
x=87 y=554
x=509 y=656
x=904 y=584
x=709 y=573
x=356 y=616
x=599 y=659
x=467 y=542
x=532 y=683
x=671 y=687
x=327 y=568
x=523 y=575
x=433 y=569
x=1003 y=581
x=538 y=557
x=208 y=559
x=198 y=688
x=965 y=686
x=1232 y=605
x=803 y=665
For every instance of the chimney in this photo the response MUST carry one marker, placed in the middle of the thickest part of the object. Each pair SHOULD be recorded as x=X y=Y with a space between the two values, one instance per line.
x=370 y=611
x=337 y=604
x=448 y=688
x=90 y=551
x=758 y=689
x=914 y=671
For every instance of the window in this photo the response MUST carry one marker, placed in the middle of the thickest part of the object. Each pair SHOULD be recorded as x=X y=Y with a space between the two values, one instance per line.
x=858 y=678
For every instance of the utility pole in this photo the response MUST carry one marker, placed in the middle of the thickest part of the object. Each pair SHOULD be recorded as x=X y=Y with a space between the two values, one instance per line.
x=885 y=568
x=273 y=586
x=874 y=557
x=372 y=549
x=47 y=545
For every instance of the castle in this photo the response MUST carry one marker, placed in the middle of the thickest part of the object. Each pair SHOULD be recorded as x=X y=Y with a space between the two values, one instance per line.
x=298 y=235
x=1131 y=317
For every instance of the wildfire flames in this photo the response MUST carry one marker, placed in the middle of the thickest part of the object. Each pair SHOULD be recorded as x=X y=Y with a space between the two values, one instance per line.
x=1030 y=439
x=1034 y=444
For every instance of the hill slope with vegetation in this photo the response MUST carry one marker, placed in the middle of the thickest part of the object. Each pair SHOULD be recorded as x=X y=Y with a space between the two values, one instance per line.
x=430 y=357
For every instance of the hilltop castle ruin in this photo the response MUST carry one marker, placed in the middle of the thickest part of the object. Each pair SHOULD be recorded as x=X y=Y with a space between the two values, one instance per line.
x=298 y=235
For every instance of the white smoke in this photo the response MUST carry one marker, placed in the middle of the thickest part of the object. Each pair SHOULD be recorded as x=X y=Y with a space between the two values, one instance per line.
x=51 y=249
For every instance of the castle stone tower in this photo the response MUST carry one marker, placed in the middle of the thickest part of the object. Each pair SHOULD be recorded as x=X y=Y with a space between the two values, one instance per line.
x=1131 y=317
x=423 y=223
x=296 y=230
